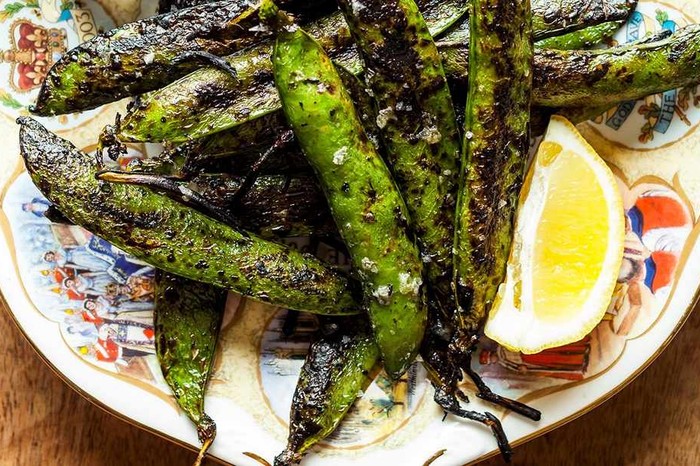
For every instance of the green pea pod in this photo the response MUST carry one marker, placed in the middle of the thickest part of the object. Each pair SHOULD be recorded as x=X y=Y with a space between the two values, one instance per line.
x=417 y=122
x=242 y=144
x=337 y=369
x=188 y=318
x=366 y=205
x=175 y=238
x=583 y=39
x=638 y=69
x=561 y=79
x=557 y=17
x=495 y=150
x=275 y=206
x=139 y=56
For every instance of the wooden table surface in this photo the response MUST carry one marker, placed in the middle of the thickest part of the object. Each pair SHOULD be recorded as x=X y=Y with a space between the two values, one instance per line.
x=654 y=421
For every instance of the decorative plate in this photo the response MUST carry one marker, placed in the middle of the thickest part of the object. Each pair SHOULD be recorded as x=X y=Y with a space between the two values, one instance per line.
x=87 y=307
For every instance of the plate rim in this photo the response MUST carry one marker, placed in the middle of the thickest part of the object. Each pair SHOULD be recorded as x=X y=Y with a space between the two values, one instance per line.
x=695 y=301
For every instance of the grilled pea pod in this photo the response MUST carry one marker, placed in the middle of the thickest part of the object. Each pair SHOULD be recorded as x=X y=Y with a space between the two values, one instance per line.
x=601 y=77
x=188 y=317
x=275 y=206
x=366 y=205
x=583 y=39
x=338 y=367
x=553 y=18
x=496 y=142
x=241 y=146
x=639 y=69
x=175 y=238
x=495 y=149
x=417 y=122
x=147 y=54
x=561 y=79
x=140 y=56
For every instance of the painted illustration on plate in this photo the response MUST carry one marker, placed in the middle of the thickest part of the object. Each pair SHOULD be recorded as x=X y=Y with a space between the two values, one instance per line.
x=101 y=297
x=658 y=119
x=38 y=33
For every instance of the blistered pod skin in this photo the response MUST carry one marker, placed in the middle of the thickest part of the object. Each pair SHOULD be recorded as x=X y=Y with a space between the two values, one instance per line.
x=562 y=78
x=496 y=142
x=178 y=239
x=582 y=39
x=139 y=57
x=365 y=202
x=187 y=321
x=554 y=18
x=417 y=123
x=338 y=367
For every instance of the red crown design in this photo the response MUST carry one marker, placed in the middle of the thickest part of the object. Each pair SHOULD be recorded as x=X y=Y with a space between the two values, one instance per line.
x=34 y=50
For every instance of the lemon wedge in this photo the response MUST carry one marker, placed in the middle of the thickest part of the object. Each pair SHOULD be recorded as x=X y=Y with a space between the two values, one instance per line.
x=567 y=247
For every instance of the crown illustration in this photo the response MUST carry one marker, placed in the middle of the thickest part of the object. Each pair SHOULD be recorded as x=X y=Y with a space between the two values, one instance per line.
x=34 y=50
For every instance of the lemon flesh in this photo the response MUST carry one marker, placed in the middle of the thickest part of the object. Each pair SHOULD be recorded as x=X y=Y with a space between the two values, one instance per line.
x=567 y=247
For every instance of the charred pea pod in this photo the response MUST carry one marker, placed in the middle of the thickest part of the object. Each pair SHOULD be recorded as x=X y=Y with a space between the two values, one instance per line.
x=237 y=149
x=495 y=149
x=141 y=56
x=275 y=206
x=366 y=205
x=560 y=80
x=554 y=18
x=188 y=318
x=602 y=77
x=338 y=367
x=496 y=142
x=175 y=238
x=583 y=39
x=417 y=122
x=150 y=53
x=559 y=19
x=638 y=69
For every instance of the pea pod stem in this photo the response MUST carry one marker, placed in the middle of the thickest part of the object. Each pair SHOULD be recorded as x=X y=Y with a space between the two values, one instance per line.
x=175 y=238
x=366 y=204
